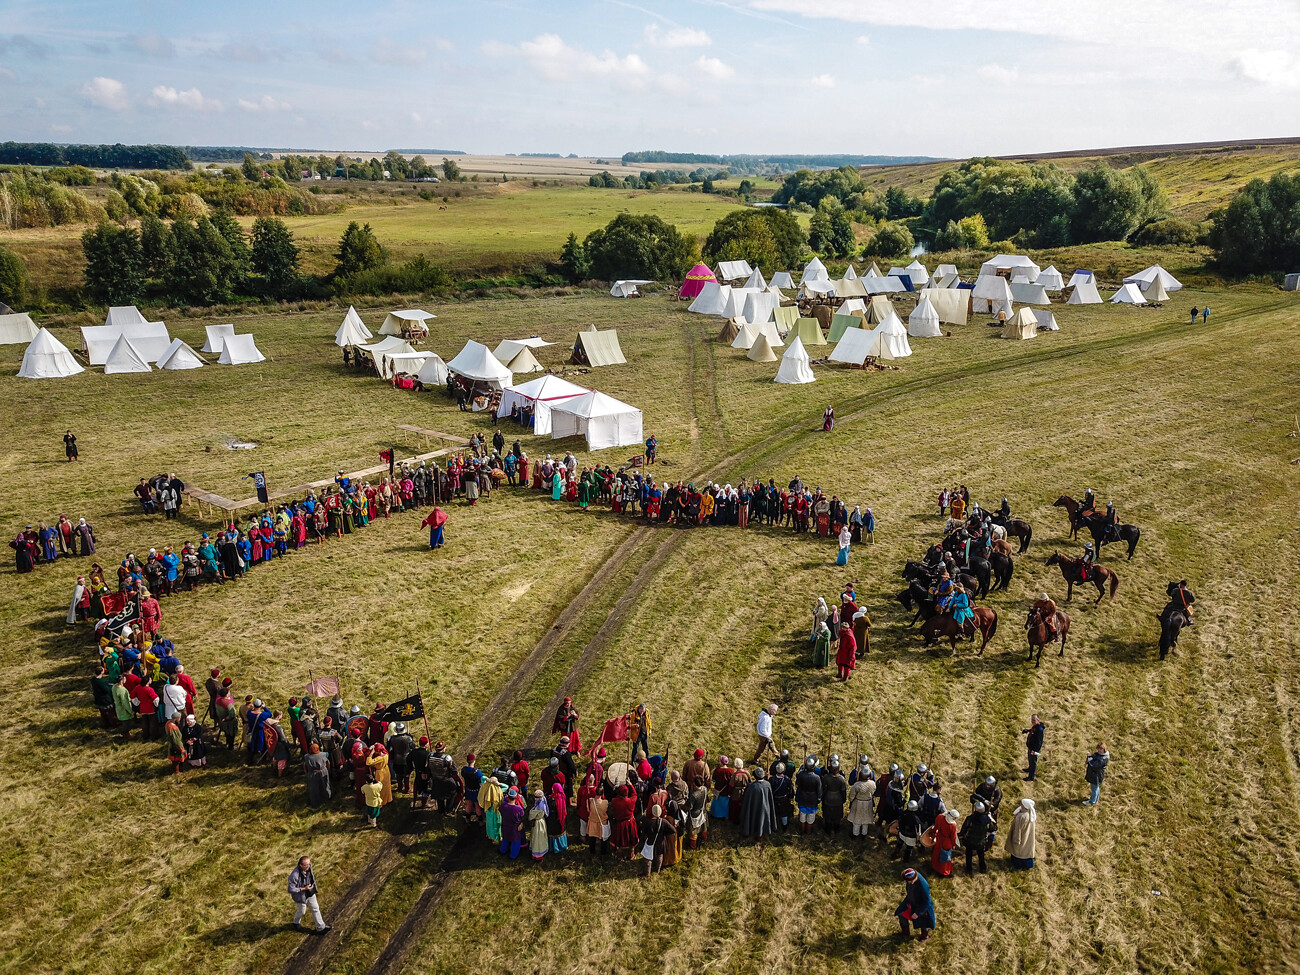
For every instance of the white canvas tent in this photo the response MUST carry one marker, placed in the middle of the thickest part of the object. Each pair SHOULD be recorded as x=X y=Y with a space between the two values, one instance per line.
x=1145 y=277
x=596 y=348
x=1029 y=294
x=1078 y=277
x=782 y=279
x=761 y=350
x=1128 y=295
x=755 y=280
x=603 y=420
x=952 y=304
x=1050 y=278
x=943 y=269
x=943 y=280
x=875 y=285
x=712 y=299
x=848 y=287
x=817 y=286
x=1022 y=325
x=734 y=270
x=542 y=394
x=124 y=358
x=406 y=321
x=524 y=361
x=1046 y=320
x=17 y=329
x=406 y=363
x=353 y=331
x=217 y=335
x=48 y=358
x=749 y=333
x=477 y=364
x=992 y=295
x=239 y=350
x=1085 y=292
x=891 y=338
x=1010 y=262
x=794 y=368
x=149 y=338
x=1155 y=291
x=180 y=356
x=814 y=270
x=852 y=305
x=854 y=346
x=917 y=272
x=850 y=274
x=759 y=306
x=433 y=371
x=923 y=323
x=627 y=288
x=735 y=304
x=121 y=315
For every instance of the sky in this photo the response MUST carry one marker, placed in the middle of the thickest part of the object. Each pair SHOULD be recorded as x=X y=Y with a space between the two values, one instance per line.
x=950 y=78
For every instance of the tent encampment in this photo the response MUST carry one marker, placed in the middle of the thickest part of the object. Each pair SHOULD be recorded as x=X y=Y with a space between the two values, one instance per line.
x=48 y=358
x=806 y=331
x=892 y=338
x=180 y=356
x=1046 y=320
x=433 y=371
x=17 y=329
x=121 y=315
x=124 y=358
x=712 y=299
x=1085 y=291
x=150 y=339
x=353 y=331
x=782 y=279
x=761 y=350
x=755 y=280
x=523 y=362
x=1050 y=278
x=1146 y=276
x=407 y=322
x=794 y=366
x=240 y=350
x=1022 y=325
x=627 y=288
x=734 y=270
x=1155 y=290
x=603 y=420
x=476 y=363
x=1024 y=293
x=217 y=334
x=814 y=270
x=951 y=304
x=541 y=394
x=923 y=323
x=598 y=349
x=1128 y=295
x=695 y=280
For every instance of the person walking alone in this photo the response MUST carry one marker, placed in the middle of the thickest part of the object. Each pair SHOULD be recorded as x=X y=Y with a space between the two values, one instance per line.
x=70 y=446
x=302 y=888
x=1096 y=772
x=1034 y=743
x=765 y=732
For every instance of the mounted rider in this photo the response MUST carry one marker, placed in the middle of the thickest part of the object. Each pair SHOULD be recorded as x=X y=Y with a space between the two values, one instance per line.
x=1110 y=521
x=1085 y=563
x=1044 y=611
x=1089 y=506
x=959 y=607
x=1180 y=601
x=942 y=591
x=1004 y=514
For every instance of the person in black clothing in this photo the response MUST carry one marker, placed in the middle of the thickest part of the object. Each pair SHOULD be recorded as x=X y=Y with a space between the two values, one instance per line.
x=400 y=746
x=70 y=446
x=498 y=441
x=974 y=837
x=566 y=764
x=909 y=831
x=1034 y=743
x=989 y=793
x=807 y=794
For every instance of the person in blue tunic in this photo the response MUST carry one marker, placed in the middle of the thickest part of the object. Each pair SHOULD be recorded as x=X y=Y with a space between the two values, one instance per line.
x=258 y=715
x=434 y=522
x=917 y=908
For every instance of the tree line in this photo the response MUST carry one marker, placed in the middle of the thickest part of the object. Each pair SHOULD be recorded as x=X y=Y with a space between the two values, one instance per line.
x=99 y=157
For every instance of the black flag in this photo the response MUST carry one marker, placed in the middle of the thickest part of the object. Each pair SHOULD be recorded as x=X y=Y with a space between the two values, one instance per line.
x=259 y=479
x=407 y=710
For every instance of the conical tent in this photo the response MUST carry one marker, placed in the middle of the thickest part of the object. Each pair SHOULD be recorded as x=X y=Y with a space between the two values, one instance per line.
x=893 y=337
x=729 y=331
x=850 y=274
x=180 y=356
x=873 y=271
x=918 y=273
x=353 y=331
x=695 y=280
x=1022 y=325
x=712 y=299
x=239 y=350
x=794 y=366
x=923 y=323
x=755 y=280
x=47 y=358
x=124 y=358
x=1085 y=291
x=761 y=350
x=217 y=335
x=1155 y=291
x=814 y=270
x=1154 y=272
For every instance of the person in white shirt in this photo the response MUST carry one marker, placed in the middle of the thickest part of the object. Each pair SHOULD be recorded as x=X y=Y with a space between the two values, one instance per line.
x=173 y=699
x=765 y=732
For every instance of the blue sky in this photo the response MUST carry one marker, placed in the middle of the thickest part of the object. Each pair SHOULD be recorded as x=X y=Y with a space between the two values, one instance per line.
x=931 y=77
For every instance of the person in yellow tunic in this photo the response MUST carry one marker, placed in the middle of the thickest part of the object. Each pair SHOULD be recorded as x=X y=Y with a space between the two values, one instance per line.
x=707 y=503
x=373 y=795
x=539 y=841
x=378 y=764
x=489 y=797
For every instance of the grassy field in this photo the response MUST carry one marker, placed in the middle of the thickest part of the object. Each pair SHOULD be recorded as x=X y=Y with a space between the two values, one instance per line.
x=1185 y=427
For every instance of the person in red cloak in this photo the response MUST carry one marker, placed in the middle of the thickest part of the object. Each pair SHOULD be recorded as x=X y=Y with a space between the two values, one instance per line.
x=945 y=838
x=378 y=726
x=566 y=723
x=622 y=820
x=360 y=772
x=434 y=522
x=846 y=658
x=519 y=765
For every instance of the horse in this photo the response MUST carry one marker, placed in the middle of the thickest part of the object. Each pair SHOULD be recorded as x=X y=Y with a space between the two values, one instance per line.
x=927 y=576
x=1020 y=530
x=983 y=573
x=1001 y=546
x=938 y=627
x=917 y=594
x=1172 y=619
x=1002 y=566
x=1123 y=533
x=1072 y=572
x=1071 y=510
x=1038 y=635
x=951 y=525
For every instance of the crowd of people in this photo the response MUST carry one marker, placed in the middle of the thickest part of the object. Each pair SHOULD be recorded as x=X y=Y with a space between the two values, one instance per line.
x=47 y=543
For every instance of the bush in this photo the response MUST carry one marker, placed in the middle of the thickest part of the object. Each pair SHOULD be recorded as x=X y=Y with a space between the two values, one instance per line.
x=573 y=261
x=114 y=264
x=766 y=237
x=639 y=247
x=415 y=275
x=13 y=279
x=1258 y=231
x=28 y=199
x=1167 y=231
x=359 y=250
x=891 y=240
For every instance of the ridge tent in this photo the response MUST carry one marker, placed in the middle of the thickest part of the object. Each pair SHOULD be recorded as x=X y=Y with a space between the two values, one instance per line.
x=1050 y=278
x=917 y=272
x=854 y=347
x=951 y=304
x=48 y=358
x=755 y=280
x=1046 y=320
x=627 y=289
x=1154 y=272
x=814 y=270
x=1128 y=295
x=598 y=349
x=507 y=349
x=712 y=299
x=533 y=342
x=942 y=281
x=695 y=280
x=1022 y=325
x=1079 y=276
x=943 y=269
x=408 y=322
x=892 y=338
x=353 y=331
x=761 y=351
x=433 y=371
x=477 y=364
x=991 y=295
x=735 y=304
x=1029 y=294
x=806 y=331
x=923 y=323
x=124 y=358
x=817 y=286
x=848 y=288
x=841 y=324
x=794 y=366
x=1155 y=291
x=17 y=329
x=390 y=343
x=904 y=277
x=729 y=331
x=878 y=309
x=734 y=270
x=523 y=361
x=603 y=420
x=758 y=306
x=852 y=305
x=782 y=279
x=849 y=273
x=180 y=356
x=542 y=394
x=407 y=363
x=748 y=332
x=1085 y=291
x=1009 y=262
x=875 y=284
x=217 y=334
x=121 y=315
x=785 y=316
x=150 y=339
x=239 y=350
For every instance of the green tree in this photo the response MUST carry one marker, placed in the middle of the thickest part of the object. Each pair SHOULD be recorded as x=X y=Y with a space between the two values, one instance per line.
x=224 y=222
x=831 y=230
x=1259 y=230
x=451 y=171
x=900 y=204
x=768 y=237
x=203 y=271
x=155 y=246
x=13 y=279
x=640 y=247
x=806 y=186
x=396 y=164
x=1012 y=197
x=250 y=168
x=890 y=240
x=1110 y=204
x=573 y=259
x=359 y=250
x=114 y=264
x=275 y=256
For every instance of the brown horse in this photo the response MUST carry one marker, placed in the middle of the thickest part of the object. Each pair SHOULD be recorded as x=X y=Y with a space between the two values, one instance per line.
x=1020 y=530
x=1071 y=510
x=1002 y=546
x=943 y=625
x=1072 y=571
x=1039 y=635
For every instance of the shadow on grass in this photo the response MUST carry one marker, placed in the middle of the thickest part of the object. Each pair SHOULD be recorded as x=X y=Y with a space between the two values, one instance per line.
x=247 y=933
x=1116 y=649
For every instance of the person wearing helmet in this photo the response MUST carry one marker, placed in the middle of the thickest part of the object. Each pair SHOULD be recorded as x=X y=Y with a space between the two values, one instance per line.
x=976 y=836
x=909 y=831
x=917 y=906
x=890 y=802
x=1089 y=505
x=1003 y=515
x=862 y=794
x=835 y=791
x=921 y=780
x=808 y=794
x=400 y=746
x=782 y=759
x=1110 y=520
x=989 y=793
x=1085 y=565
x=862 y=771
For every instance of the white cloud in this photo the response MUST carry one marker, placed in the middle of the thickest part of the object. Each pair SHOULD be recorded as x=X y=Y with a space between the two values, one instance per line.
x=415 y=117
x=555 y=60
x=822 y=81
x=190 y=99
x=264 y=104
x=674 y=84
x=106 y=93
x=1277 y=69
x=715 y=69
x=864 y=38
x=6 y=73
x=997 y=73
x=676 y=37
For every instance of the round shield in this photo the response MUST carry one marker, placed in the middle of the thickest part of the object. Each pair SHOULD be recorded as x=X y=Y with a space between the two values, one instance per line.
x=362 y=725
x=616 y=774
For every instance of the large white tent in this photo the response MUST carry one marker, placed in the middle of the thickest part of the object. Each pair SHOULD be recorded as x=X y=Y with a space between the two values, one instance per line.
x=542 y=394
x=1128 y=295
x=814 y=270
x=892 y=338
x=476 y=363
x=794 y=366
x=627 y=288
x=120 y=315
x=734 y=270
x=782 y=279
x=217 y=335
x=1085 y=291
x=48 y=358
x=759 y=306
x=952 y=304
x=817 y=286
x=991 y=295
x=755 y=280
x=1010 y=262
x=923 y=323
x=239 y=350
x=433 y=371
x=917 y=272
x=749 y=332
x=406 y=321
x=853 y=347
x=149 y=338
x=180 y=356
x=406 y=363
x=1029 y=294
x=1050 y=278
x=353 y=331
x=124 y=358
x=17 y=329
x=603 y=420
x=1143 y=278
x=712 y=299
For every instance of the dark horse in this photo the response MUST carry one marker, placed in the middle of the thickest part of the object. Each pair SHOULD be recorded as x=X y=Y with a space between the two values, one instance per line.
x=1002 y=566
x=1020 y=530
x=939 y=627
x=1095 y=523
x=922 y=573
x=1071 y=511
x=1072 y=571
x=1039 y=635
x=917 y=594
x=1176 y=615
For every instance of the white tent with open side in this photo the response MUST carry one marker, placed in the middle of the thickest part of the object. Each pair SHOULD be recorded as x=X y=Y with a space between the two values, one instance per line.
x=124 y=358
x=407 y=321
x=353 y=331
x=595 y=348
x=794 y=368
x=1046 y=320
x=951 y=304
x=120 y=315
x=628 y=288
x=1085 y=291
x=1128 y=295
x=892 y=336
x=48 y=358
x=991 y=295
x=603 y=420
x=711 y=300
x=1010 y=263
x=1145 y=277
x=734 y=270
x=17 y=329
x=476 y=363
x=240 y=350
x=217 y=335
x=542 y=394
x=509 y=348
x=1050 y=278
x=923 y=323
x=150 y=339
x=180 y=356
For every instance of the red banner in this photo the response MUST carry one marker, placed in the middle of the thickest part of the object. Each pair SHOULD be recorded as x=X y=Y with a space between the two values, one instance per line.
x=615 y=730
x=113 y=602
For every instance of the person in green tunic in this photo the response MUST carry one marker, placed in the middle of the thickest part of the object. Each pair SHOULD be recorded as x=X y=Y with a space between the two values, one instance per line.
x=557 y=486
x=489 y=797
x=822 y=646
x=584 y=490
x=348 y=505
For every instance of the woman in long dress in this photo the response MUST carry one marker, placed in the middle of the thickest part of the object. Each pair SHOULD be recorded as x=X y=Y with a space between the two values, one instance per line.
x=846 y=658
x=318 y=776
x=490 y=797
x=1021 y=837
x=556 y=829
x=196 y=749
x=846 y=539
x=945 y=839
x=557 y=486
x=539 y=842
x=86 y=536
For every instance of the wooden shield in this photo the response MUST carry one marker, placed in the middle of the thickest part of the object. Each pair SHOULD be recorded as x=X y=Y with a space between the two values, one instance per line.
x=362 y=725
